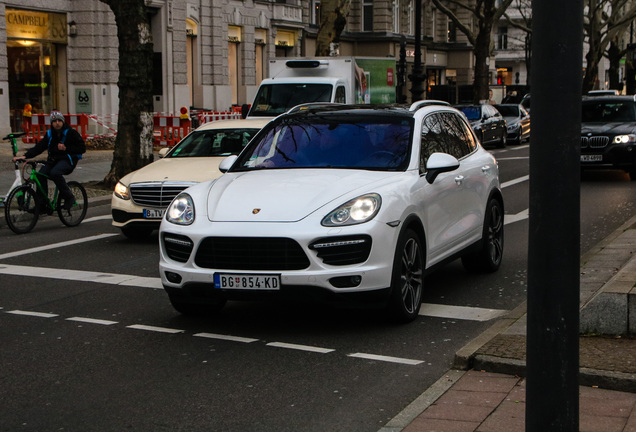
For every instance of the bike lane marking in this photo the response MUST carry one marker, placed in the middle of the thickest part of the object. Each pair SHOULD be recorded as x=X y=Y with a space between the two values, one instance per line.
x=82 y=276
x=55 y=245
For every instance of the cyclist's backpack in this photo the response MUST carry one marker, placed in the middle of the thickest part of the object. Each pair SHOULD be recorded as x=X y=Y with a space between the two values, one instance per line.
x=48 y=135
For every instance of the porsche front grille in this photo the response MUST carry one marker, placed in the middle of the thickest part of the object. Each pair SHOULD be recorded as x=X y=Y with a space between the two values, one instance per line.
x=251 y=253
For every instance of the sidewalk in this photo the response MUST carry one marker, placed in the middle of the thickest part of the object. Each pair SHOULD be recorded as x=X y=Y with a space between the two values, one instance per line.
x=485 y=390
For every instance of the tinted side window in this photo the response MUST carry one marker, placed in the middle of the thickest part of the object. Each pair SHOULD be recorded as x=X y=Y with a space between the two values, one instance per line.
x=444 y=132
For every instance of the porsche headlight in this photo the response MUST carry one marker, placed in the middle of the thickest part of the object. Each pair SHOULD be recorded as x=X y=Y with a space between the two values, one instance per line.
x=121 y=191
x=181 y=210
x=356 y=211
x=624 y=139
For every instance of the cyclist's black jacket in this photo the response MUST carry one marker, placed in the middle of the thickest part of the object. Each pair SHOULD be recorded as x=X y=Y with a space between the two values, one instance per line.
x=73 y=141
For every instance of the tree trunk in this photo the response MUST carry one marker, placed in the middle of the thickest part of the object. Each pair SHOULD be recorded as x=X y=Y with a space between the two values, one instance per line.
x=482 y=54
x=332 y=23
x=133 y=144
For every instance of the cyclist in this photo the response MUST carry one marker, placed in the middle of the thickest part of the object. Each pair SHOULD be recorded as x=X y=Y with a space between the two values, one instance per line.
x=65 y=147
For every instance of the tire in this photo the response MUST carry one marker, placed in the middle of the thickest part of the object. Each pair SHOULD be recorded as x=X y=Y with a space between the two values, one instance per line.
x=489 y=257
x=136 y=232
x=196 y=309
x=503 y=140
x=407 y=279
x=76 y=214
x=22 y=209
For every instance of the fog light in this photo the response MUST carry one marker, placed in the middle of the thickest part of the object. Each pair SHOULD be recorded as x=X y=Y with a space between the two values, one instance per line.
x=173 y=277
x=346 y=281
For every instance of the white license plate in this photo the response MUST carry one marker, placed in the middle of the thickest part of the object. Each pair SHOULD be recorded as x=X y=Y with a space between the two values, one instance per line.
x=153 y=213
x=592 y=158
x=247 y=282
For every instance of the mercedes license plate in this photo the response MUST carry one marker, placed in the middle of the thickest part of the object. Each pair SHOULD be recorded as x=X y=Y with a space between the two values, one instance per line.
x=246 y=281
x=153 y=213
x=592 y=158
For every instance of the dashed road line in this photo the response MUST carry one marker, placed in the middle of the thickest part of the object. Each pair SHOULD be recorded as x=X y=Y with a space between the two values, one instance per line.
x=155 y=329
x=33 y=314
x=460 y=312
x=92 y=320
x=386 y=358
x=515 y=181
x=301 y=347
x=225 y=337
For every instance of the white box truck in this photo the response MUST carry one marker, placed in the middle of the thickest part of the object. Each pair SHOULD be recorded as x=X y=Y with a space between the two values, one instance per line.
x=350 y=80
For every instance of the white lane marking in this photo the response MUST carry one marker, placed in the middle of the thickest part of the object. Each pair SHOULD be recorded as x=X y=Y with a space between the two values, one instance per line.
x=512 y=158
x=460 y=312
x=522 y=215
x=33 y=314
x=225 y=337
x=515 y=181
x=83 y=276
x=155 y=329
x=91 y=320
x=386 y=358
x=55 y=245
x=300 y=347
x=98 y=218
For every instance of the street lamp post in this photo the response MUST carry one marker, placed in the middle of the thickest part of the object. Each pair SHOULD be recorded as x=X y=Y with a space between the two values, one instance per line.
x=417 y=76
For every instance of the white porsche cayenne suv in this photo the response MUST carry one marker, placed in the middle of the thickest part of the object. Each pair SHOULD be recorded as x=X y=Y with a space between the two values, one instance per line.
x=337 y=203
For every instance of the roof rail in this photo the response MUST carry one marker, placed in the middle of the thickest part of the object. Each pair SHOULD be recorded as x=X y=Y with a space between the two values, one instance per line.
x=422 y=103
x=307 y=105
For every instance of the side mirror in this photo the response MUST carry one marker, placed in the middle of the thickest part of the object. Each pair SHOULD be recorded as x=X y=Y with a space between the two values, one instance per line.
x=227 y=163
x=439 y=163
x=163 y=152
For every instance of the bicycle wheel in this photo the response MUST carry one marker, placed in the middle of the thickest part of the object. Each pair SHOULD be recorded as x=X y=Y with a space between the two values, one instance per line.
x=73 y=216
x=21 y=210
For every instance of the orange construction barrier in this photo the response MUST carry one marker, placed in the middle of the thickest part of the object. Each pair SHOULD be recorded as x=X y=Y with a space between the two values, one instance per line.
x=208 y=116
x=169 y=130
x=40 y=123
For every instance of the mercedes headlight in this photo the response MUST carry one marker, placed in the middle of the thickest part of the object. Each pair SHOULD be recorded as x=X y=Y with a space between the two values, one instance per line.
x=181 y=210
x=356 y=211
x=121 y=191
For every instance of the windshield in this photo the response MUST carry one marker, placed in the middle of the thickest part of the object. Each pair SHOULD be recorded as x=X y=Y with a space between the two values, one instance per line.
x=508 y=111
x=351 y=143
x=609 y=111
x=472 y=113
x=275 y=99
x=213 y=142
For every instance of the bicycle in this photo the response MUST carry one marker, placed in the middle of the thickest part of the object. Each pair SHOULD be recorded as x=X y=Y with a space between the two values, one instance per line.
x=12 y=137
x=25 y=203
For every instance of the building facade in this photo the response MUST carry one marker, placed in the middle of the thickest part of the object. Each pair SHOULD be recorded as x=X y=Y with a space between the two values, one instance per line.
x=208 y=54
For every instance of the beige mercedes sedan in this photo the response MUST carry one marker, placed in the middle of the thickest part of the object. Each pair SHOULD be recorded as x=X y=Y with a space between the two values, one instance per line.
x=140 y=198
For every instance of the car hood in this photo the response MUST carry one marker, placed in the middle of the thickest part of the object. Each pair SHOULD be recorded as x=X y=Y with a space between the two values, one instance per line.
x=615 y=128
x=194 y=170
x=286 y=195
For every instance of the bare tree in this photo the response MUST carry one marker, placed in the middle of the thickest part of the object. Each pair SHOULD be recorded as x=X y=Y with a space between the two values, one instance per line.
x=332 y=23
x=523 y=21
x=133 y=144
x=486 y=14
x=603 y=22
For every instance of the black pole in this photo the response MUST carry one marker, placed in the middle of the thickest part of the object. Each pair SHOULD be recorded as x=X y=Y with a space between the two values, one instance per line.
x=552 y=392
x=417 y=75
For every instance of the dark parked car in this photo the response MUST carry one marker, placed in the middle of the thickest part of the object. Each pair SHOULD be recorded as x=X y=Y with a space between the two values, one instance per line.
x=518 y=120
x=525 y=101
x=488 y=123
x=608 y=133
